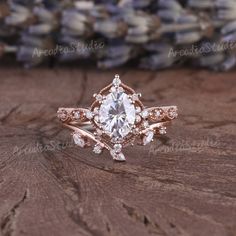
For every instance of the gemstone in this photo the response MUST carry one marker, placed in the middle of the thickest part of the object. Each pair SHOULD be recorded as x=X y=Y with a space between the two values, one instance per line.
x=172 y=113
x=145 y=113
x=97 y=149
x=116 y=81
x=117 y=156
x=99 y=97
x=158 y=113
x=89 y=115
x=148 y=137
x=78 y=140
x=145 y=124
x=77 y=115
x=117 y=114
x=117 y=147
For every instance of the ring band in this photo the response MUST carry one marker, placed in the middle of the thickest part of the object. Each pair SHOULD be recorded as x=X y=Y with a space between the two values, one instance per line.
x=116 y=119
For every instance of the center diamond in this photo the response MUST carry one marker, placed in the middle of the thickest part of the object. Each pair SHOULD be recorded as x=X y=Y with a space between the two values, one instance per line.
x=117 y=114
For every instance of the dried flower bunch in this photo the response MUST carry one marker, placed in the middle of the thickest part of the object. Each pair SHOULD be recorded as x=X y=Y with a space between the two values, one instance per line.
x=155 y=34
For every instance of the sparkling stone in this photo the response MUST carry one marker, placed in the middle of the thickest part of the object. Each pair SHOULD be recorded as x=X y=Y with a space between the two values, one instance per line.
x=77 y=115
x=117 y=114
x=148 y=137
x=145 y=113
x=117 y=156
x=116 y=81
x=117 y=147
x=99 y=97
x=172 y=113
x=162 y=130
x=97 y=149
x=78 y=140
x=145 y=124
x=89 y=115
x=158 y=113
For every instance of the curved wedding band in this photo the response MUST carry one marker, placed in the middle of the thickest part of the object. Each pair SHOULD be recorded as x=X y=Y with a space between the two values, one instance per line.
x=117 y=118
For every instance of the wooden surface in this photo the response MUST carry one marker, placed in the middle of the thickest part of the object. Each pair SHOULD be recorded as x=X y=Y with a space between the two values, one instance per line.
x=182 y=184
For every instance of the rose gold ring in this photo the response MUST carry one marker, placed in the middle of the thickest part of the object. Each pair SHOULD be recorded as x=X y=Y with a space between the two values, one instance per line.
x=116 y=119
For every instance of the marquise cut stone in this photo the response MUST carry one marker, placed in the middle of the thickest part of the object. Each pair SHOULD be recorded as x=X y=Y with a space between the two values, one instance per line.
x=117 y=114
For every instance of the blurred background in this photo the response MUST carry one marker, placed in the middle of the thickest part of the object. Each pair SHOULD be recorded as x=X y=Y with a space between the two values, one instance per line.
x=148 y=34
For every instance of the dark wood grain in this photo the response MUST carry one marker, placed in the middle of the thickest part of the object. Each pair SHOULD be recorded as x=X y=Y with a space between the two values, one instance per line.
x=182 y=184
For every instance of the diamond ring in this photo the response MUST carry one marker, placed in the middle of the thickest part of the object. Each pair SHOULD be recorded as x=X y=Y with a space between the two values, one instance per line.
x=116 y=119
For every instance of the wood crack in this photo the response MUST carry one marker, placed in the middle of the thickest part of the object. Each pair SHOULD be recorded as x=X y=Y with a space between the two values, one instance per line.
x=72 y=189
x=8 y=222
x=4 y=118
x=152 y=227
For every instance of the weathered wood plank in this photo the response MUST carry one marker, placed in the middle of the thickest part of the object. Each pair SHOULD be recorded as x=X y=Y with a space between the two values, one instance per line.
x=182 y=184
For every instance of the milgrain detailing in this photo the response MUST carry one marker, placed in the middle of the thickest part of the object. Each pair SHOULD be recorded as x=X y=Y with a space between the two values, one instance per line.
x=116 y=119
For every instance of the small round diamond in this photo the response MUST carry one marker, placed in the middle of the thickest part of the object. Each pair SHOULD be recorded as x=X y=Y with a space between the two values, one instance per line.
x=77 y=115
x=116 y=81
x=89 y=115
x=172 y=113
x=117 y=147
x=97 y=149
x=99 y=97
x=158 y=113
x=145 y=113
x=145 y=124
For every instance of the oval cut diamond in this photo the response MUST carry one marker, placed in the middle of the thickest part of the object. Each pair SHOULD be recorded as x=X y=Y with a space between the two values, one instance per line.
x=117 y=114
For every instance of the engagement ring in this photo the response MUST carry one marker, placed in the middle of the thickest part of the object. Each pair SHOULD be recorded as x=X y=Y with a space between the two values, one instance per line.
x=116 y=119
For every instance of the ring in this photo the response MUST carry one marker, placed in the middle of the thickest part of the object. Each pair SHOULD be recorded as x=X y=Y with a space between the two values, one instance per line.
x=116 y=119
